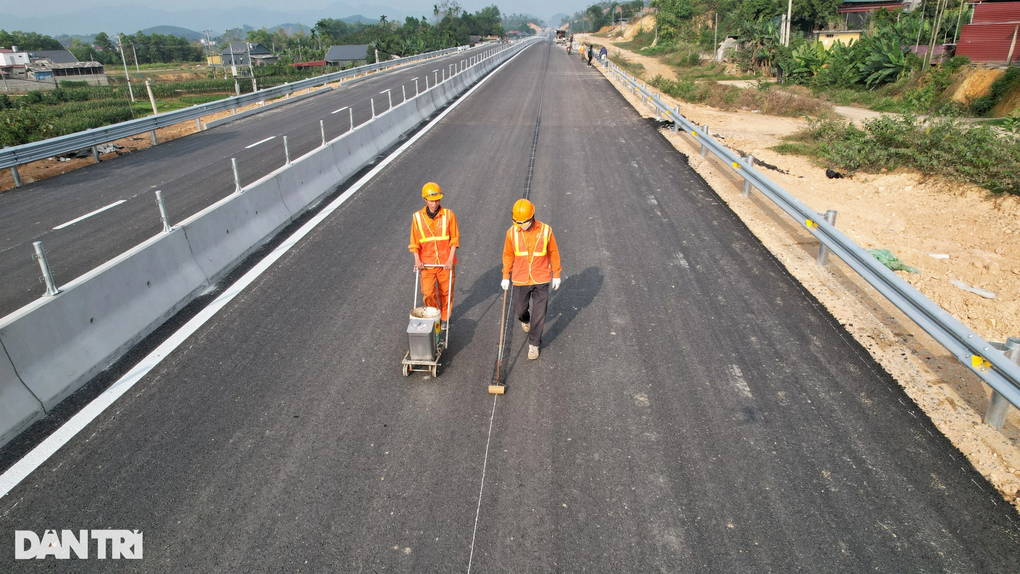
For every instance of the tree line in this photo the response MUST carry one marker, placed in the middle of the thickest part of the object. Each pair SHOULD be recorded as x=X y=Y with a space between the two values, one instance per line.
x=450 y=25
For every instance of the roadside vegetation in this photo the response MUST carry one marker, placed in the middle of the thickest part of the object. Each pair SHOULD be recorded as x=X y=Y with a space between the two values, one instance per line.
x=937 y=133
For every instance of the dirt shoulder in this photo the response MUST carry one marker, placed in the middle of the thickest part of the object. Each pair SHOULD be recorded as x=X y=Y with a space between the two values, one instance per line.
x=949 y=231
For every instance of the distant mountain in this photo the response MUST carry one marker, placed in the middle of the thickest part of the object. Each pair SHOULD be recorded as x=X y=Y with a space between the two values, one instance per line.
x=174 y=31
x=359 y=19
x=291 y=28
x=556 y=20
x=128 y=19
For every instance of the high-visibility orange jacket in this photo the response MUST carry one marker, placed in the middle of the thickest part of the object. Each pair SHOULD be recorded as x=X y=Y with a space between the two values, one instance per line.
x=531 y=255
x=432 y=238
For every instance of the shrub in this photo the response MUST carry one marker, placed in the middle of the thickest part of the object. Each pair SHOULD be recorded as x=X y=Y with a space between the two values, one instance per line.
x=943 y=146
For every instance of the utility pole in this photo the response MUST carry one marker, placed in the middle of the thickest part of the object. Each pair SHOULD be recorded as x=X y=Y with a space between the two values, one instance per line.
x=126 y=75
x=715 y=47
x=251 y=69
x=789 y=16
x=136 y=57
x=208 y=47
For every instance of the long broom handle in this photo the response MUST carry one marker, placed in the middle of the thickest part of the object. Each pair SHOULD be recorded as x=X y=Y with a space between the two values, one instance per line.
x=414 y=302
x=502 y=333
x=449 y=310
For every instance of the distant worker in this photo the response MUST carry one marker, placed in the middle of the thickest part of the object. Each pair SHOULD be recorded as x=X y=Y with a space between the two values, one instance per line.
x=603 y=55
x=591 y=52
x=434 y=242
x=530 y=253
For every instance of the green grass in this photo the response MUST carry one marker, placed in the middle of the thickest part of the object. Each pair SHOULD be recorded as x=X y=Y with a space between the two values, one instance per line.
x=796 y=148
x=631 y=67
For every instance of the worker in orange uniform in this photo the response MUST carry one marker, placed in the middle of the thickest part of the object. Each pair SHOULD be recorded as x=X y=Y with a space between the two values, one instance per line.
x=434 y=241
x=530 y=252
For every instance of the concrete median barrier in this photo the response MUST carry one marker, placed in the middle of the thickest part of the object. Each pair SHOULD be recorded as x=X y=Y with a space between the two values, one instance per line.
x=58 y=343
x=309 y=178
x=18 y=407
x=224 y=233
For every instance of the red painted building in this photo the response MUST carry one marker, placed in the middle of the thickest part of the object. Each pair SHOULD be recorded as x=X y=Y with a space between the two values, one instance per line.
x=993 y=34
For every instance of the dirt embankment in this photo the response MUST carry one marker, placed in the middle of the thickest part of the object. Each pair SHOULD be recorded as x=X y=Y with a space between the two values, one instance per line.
x=949 y=231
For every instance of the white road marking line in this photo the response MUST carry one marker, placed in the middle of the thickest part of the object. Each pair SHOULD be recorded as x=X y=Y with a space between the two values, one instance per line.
x=338 y=111
x=481 y=487
x=41 y=453
x=88 y=215
x=261 y=142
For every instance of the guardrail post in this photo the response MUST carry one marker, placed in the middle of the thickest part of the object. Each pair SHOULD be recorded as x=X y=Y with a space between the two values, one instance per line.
x=676 y=124
x=403 y=93
x=823 y=251
x=747 y=183
x=154 y=142
x=198 y=124
x=51 y=287
x=95 y=154
x=286 y=150
x=704 y=134
x=17 y=176
x=237 y=176
x=995 y=416
x=416 y=85
x=322 y=129
x=373 y=107
x=162 y=212
x=389 y=97
x=350 y=111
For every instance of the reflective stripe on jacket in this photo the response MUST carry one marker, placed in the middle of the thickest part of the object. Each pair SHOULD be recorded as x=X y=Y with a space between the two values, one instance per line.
x=532 y=255
x=432 y=238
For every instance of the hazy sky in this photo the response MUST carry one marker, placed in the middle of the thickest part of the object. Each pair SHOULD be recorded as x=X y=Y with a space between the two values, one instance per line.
x=55 y=17
x=542 y=9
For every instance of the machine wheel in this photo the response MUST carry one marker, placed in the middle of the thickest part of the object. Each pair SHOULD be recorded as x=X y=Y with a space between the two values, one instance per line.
x=407 y=369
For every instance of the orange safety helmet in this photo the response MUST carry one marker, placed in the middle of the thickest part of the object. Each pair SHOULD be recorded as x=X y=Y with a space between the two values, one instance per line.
x=431 y=192
x=524 y=211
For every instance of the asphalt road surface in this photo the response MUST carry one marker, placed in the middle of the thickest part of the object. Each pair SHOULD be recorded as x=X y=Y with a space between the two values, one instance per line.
x=192 y=172
x=693 y=409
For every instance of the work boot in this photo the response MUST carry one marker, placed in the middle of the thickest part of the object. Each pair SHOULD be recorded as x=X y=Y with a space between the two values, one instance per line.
x=532 y=352
x=444 y=325
x=526 y=327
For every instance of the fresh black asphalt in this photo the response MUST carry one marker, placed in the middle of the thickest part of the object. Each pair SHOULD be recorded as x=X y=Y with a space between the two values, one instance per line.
x=192 y=172
x=694 y=409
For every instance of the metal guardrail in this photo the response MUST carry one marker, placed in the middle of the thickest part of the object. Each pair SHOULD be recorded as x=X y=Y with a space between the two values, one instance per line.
x=982 y=357
x=17 y=155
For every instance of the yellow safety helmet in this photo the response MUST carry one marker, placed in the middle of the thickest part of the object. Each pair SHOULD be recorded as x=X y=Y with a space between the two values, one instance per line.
x=524 y=211
x=431 y=192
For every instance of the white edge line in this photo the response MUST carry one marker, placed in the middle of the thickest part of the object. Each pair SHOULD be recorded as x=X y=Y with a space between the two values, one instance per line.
x=481 y=486
x=260 y=142
x=88 y=215
x=41 y=453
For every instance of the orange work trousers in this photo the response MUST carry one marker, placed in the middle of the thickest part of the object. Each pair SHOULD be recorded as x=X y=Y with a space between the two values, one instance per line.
x=436 y=289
